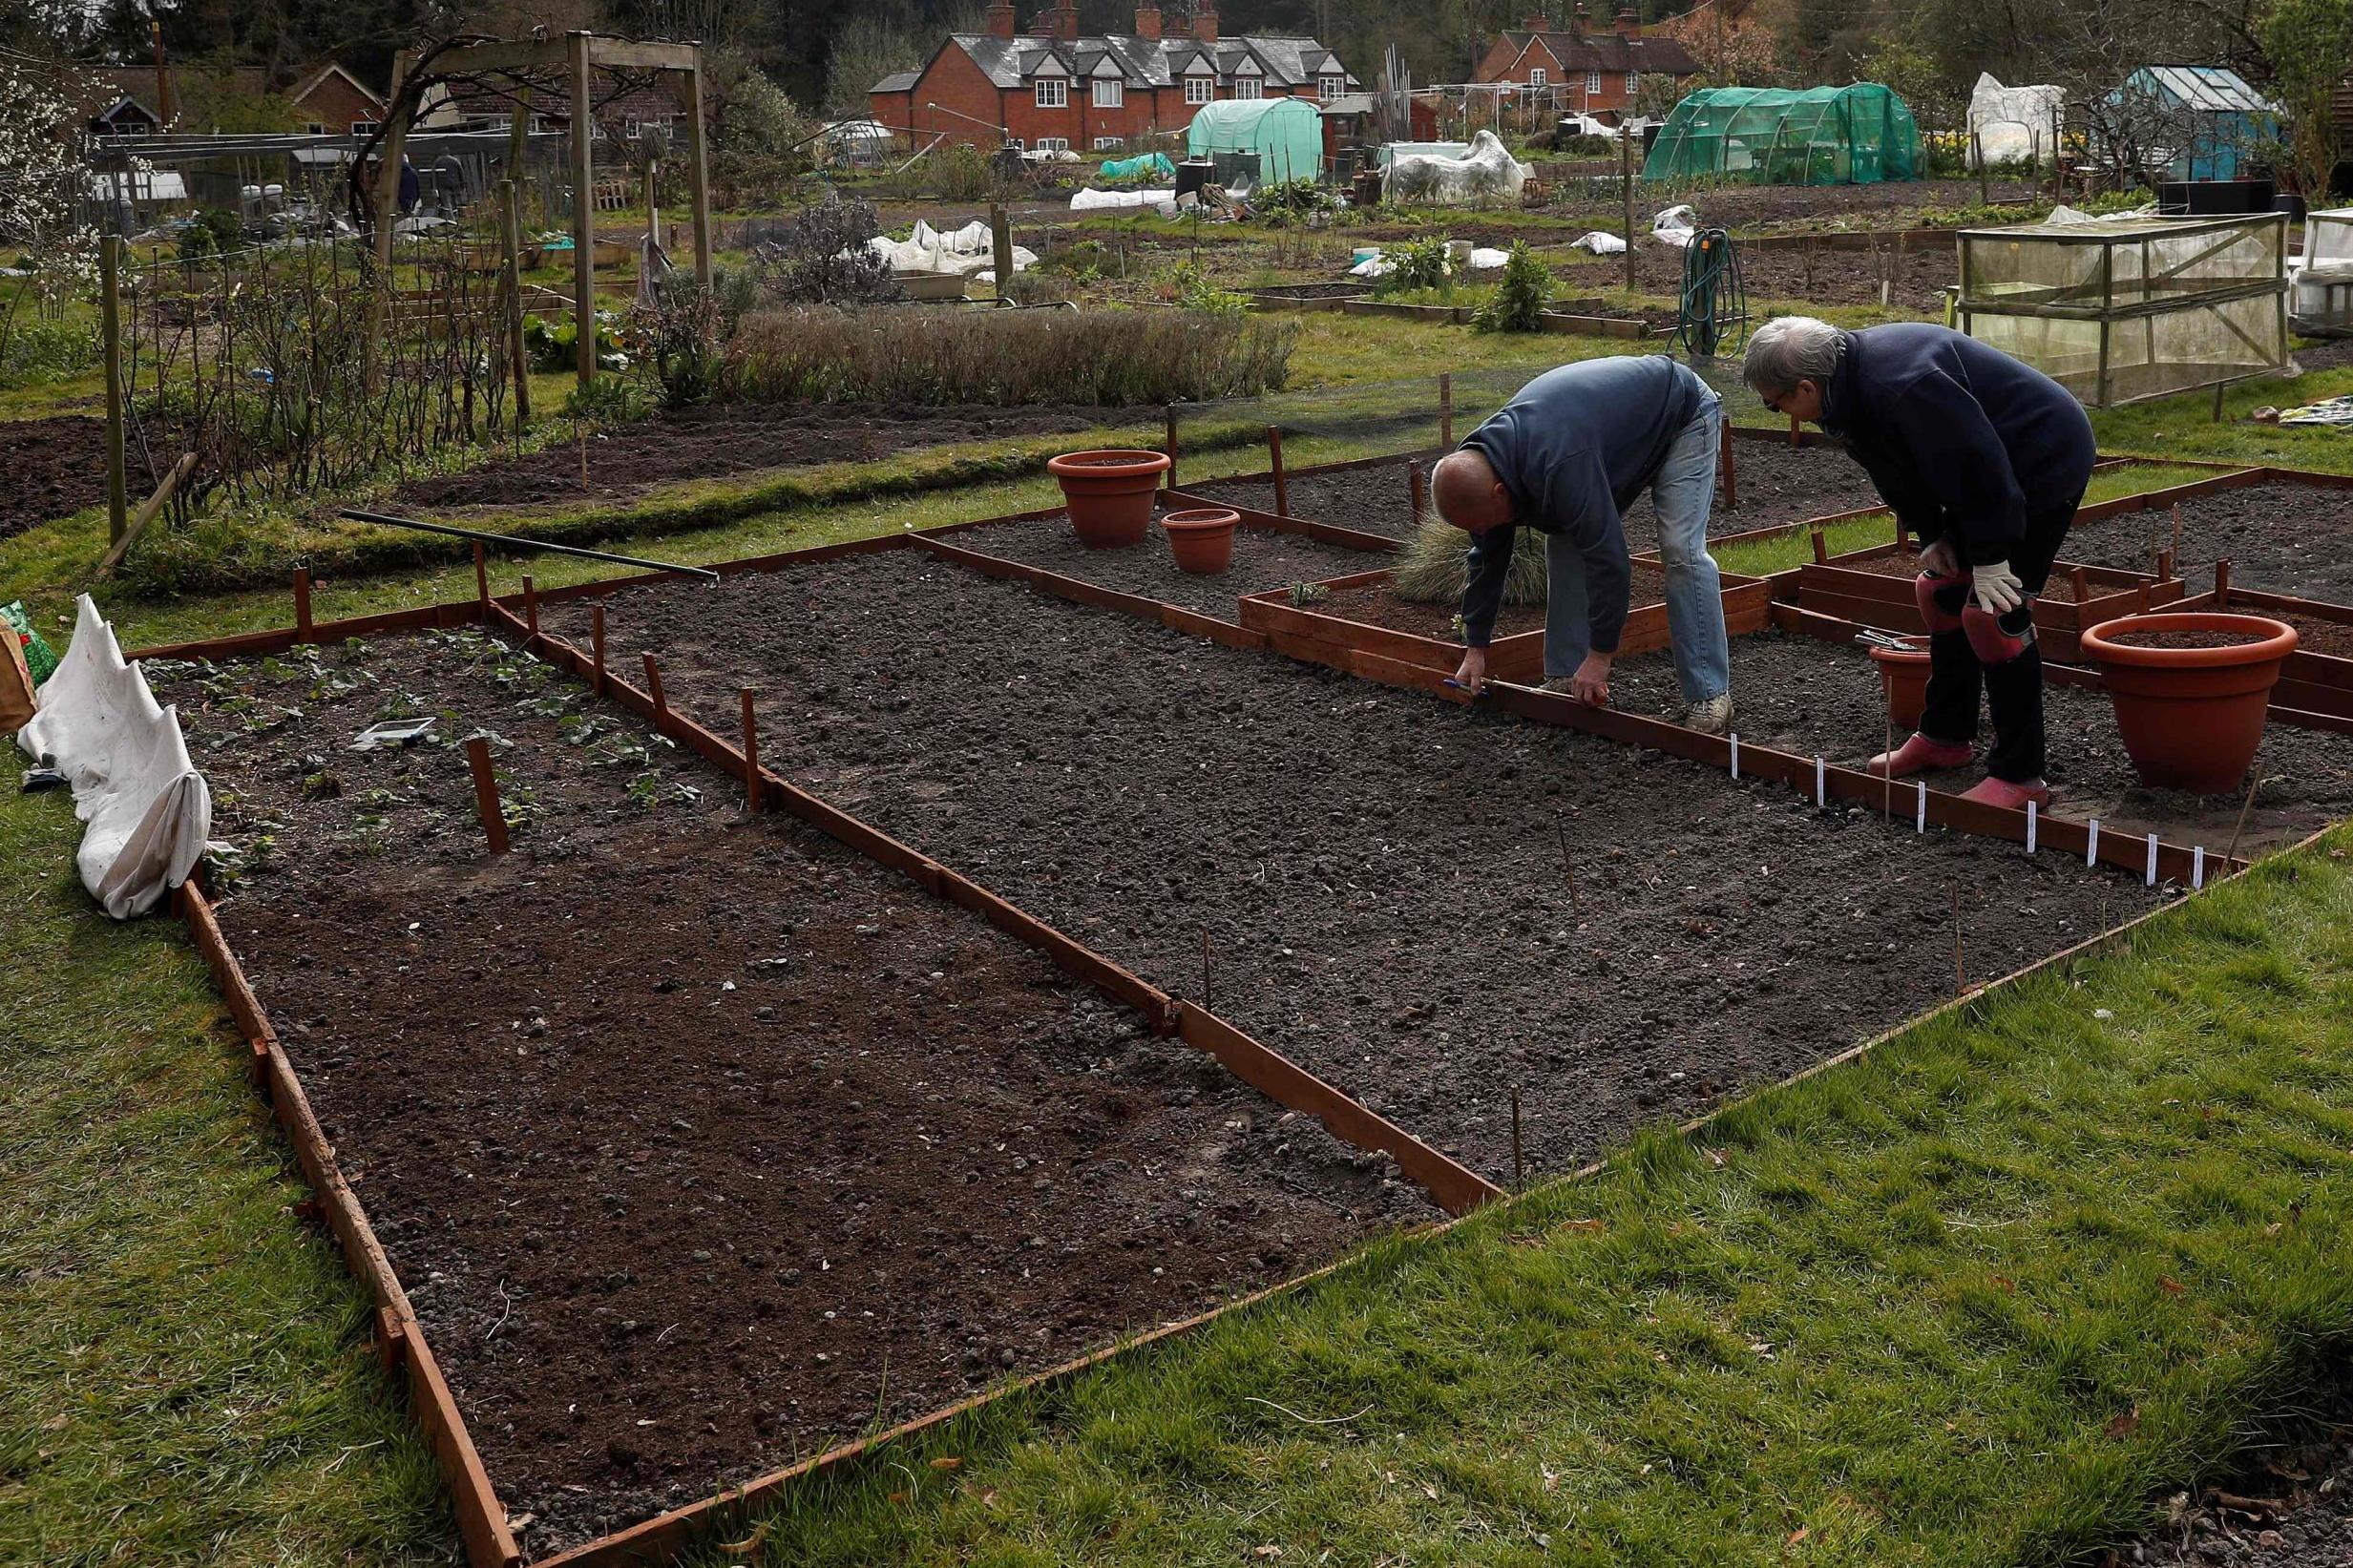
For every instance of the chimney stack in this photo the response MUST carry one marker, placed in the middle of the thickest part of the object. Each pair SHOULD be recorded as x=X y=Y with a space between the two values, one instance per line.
x=999 y=19
x=1581 y=22
x=1205 y=20
x=1537 y=22
x=1147 y=21
x=1629 y=24
x=1058 y=19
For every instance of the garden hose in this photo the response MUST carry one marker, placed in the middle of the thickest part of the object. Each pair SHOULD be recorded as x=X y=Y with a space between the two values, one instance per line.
x=1714 y=311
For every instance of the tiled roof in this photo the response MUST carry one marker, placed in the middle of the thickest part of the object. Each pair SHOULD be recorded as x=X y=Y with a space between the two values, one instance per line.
x=1142 y=62
x=1610 y=52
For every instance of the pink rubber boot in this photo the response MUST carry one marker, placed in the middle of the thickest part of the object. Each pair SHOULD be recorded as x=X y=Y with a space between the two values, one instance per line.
x=1918 y=755
x=2013 y=797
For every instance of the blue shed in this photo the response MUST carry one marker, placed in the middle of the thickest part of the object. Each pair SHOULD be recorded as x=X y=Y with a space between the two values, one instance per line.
x=2226 y=116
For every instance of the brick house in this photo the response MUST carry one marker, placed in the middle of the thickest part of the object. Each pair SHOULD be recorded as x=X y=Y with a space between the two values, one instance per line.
x=1581 y=72
x=1051 y=88
x=325 y=99
x=629 y=110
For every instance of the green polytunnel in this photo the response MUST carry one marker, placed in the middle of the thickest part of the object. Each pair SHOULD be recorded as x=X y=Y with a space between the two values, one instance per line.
x=1286 y=136
x=1857 y=135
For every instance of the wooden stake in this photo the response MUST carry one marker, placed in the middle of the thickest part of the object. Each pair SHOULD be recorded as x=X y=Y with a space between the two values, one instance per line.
x=1961 y=974
x=530 y=606
x=751 y=756
x=1446 y=408
x=1413 y=494
x=486 y=794
x=110 y=318
x=2081 y=581
x=1568 y=868
x=511 y=277
x=147 y=512
x=301 y=604
x=1724 y=461
x=2230 y=856
x=1282 y=483
x=2222 y=583
x=1000 y=251
x=1821 y=546
x=596 y=643
x=653 y=690
x=1169 y=444
x=1796 y=437
x=481 y=580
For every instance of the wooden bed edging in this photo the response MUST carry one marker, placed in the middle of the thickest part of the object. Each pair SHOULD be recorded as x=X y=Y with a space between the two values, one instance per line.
x=481 y=1519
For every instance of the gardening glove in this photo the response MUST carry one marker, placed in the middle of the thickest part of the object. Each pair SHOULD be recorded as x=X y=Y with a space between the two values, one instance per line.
x=1997 y=588
x=1939 y=559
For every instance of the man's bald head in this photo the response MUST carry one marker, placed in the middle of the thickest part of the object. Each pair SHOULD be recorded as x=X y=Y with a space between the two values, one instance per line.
x=1467 y=494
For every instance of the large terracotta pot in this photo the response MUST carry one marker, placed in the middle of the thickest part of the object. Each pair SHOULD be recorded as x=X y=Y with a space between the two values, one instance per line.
x=1109 y=493
x=1903 y=674
x=1202 y=540
x=2190 y=716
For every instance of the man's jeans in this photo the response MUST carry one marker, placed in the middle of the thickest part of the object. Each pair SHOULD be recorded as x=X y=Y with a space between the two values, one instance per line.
x=1681 y=494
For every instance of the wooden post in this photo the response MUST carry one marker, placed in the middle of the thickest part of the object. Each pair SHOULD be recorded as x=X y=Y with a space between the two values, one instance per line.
x=583 y=215
x=486 y=793
x=596 y=644
x=481 y=580
x=1282 y=483
x=1985 y=188
x=1626 y=171
x=1001 y=250
x=1169 y=446
x=1724 y=461
x=531 y=605
x=1446 y=408
x=1413 y=491
x=109 y=311
x=751 y=756
x=698 y=177
x=511 y=272
x=301 y=604
x=653 y=689
x=2222 y=583
x=1821 y=546
x=1796 y=436
x=387 y=185
x=653 y=202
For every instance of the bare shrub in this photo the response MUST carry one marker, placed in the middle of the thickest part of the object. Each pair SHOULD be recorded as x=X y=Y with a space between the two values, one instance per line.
x=820 y=257
x=1434 y=567
x=1110 y=358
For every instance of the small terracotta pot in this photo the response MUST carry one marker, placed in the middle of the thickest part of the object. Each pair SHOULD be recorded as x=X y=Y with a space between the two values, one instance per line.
x=1903 y=675
x=1202 y=540
x=1109 y=493
x=2191 y=717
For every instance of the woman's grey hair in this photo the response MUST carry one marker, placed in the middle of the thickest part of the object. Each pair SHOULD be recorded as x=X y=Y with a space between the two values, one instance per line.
x=1789 y=349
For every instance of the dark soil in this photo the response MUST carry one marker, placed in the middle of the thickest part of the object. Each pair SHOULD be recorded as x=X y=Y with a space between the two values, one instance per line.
x=625 y=460
x=2331 y=637
x=702 y=1142
x=1261 y=561
x=1773 y=482
x=1380 y=873
x=2294 y=1511
x=1738 y=207
x=2281 y=538
x=2185 y=639
x=2059 y=586
x=1377 y=604
x=1830 y=277
x=53 y=468
x=1315 y=291
x=1800 y=694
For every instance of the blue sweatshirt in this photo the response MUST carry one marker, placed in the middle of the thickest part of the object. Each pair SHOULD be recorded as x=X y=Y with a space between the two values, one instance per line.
x=1958 y=438
x=1573 y=449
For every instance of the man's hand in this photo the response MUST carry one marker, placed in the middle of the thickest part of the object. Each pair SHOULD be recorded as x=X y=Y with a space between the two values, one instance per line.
x=1940 y=559
x=1472 y=673
x=1590 y=684
x=1997 y=588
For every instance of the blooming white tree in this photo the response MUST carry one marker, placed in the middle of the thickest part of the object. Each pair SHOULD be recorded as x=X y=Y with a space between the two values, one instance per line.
x=40 y=177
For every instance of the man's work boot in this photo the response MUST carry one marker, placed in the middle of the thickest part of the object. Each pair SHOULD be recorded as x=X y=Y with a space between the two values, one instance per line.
x=2013 y=797
x=1919 y=755
x=1711 y=715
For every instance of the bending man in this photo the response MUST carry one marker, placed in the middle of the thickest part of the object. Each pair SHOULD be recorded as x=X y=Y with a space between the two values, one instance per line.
x=1985 y=460
x=1566 y=457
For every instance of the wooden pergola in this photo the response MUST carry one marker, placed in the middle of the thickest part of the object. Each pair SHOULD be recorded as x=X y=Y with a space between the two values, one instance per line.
x=577 y=57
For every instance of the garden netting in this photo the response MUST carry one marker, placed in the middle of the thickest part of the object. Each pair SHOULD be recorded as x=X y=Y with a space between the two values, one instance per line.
x=1857 y=135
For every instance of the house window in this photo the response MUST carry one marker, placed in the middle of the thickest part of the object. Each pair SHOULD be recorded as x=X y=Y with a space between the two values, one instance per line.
x=1634 y=82
x=1053 y=93
x=1329 y=88
x=1110 y=92
x=1593 y=83
x=1248 y=87
x=1538 y=76
x=363 y=128
x=314 y=128
x=1053 y=144
x=630 y=127
x=1105 y=144
x=1200 y=88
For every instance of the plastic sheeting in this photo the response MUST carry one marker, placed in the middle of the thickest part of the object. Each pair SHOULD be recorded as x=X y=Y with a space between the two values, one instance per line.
x=1093 y=200
x=1286 y=135
x=1151 y=165
x=1599 y=243
x=2013 y=123
x=1486 y=173
x=1674 y=226
x=147 y=806
x=1857 y=135
x=959 y=253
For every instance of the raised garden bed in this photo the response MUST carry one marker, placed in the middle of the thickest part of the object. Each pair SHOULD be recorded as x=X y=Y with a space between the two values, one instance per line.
x=1814 y=696
x=702 y=1141
x=1345 y=848
x=1262 y=558
x=1362 y=615
x=1308 y=296
x=2282 y=537
x=1874 y=588
x=2316 y=681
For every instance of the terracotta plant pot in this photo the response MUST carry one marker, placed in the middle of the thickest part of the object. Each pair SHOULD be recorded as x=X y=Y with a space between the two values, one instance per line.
x=1202 y=540
x=1109 y=493
x=2190 y=716
x=1903 y=674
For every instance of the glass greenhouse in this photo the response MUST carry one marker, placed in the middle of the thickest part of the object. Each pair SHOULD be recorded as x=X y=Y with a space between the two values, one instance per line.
x=1857 y=135
x=2117 y=311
